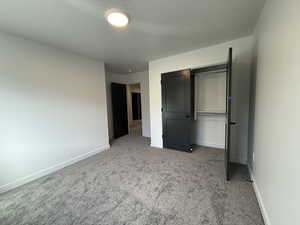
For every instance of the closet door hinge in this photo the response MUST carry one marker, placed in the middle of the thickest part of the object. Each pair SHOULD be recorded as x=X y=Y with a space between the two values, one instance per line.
x=162 y=109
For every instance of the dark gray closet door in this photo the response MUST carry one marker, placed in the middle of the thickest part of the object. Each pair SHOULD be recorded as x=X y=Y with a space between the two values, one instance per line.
x=177 y=110
x=228 y=114
x=119 y=109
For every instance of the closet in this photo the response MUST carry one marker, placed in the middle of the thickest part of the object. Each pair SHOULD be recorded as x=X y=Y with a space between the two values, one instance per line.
x=196 y=108
x=210 y=108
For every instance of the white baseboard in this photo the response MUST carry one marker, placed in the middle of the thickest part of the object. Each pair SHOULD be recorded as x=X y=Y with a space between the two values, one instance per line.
x=44 y=172
x=154 y=145
x=259 y=199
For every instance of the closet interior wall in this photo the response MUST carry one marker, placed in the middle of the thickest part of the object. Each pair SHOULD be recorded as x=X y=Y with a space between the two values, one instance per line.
x=210 y=109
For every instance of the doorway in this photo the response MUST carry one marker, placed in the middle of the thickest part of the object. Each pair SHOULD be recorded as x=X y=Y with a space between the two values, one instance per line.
x=134 y=109
x=126 y=102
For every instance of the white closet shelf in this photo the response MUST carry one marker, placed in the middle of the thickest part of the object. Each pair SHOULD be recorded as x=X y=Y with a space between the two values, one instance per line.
x=211 y=112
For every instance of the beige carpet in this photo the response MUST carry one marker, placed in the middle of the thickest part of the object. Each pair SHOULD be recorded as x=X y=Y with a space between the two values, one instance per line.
x=134 y=184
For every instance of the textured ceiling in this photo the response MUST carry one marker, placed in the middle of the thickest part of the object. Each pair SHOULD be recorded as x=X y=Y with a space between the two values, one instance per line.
x=158 y=28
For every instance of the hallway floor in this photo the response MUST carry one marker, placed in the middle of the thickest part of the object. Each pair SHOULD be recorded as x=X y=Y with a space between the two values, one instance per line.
x=135 y=129
x=135 y=184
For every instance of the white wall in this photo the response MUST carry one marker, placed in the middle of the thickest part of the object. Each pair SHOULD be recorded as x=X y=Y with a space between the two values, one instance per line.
x=52 y=110
x=275 y=126
x=209 y=131
x=210 y=92
x=132 y=78
x=242 y=52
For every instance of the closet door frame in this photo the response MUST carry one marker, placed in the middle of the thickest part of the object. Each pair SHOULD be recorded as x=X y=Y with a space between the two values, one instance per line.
x=210 y=68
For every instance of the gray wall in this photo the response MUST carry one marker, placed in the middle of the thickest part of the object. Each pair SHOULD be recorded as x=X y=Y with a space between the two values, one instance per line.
x=274 y=140
x=53 y=110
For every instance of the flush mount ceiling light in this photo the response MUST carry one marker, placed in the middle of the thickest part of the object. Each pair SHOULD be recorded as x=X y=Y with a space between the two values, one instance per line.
x=117 y=18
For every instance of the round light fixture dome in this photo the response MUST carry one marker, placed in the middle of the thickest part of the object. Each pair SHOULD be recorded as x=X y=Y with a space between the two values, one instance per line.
x=117 y=18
